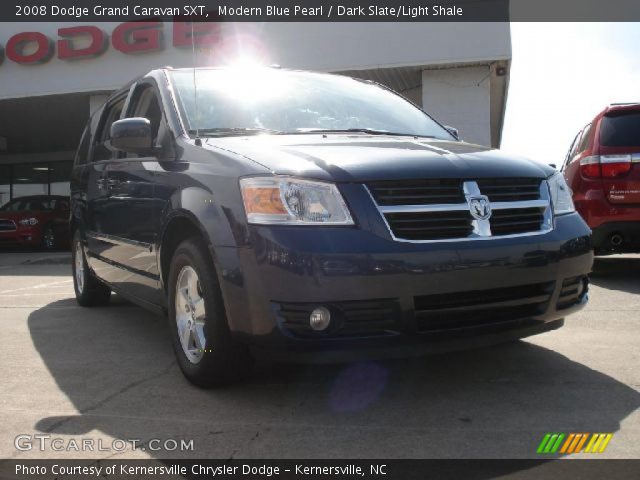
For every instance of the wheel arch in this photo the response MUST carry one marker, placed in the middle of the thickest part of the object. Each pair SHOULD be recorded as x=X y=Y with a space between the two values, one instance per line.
x=179 y=227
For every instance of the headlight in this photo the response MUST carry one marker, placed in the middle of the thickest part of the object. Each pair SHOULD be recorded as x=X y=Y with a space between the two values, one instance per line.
x=28 y=221
x=289 y=201
x=560 y=195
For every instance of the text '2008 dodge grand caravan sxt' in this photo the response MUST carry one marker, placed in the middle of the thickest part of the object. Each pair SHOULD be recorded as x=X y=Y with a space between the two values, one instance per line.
x=317 y=216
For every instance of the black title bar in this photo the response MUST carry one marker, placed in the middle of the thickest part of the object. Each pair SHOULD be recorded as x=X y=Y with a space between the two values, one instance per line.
x=321 y=10
x=319 y=469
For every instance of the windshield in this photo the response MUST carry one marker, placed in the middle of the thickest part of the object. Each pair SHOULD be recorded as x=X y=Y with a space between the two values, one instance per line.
x=246 y=101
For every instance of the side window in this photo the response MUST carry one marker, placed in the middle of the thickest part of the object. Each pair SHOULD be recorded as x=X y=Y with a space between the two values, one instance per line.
x=572 y=151
x=83 y=148
x=111 y=113
x=146 y=104
x=584 y=141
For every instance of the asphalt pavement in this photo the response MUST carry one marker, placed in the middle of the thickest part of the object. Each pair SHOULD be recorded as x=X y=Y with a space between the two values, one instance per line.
x=108 y=375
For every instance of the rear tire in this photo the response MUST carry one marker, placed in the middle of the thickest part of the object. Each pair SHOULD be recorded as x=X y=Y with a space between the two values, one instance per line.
x=90 y=292
x=206 y=352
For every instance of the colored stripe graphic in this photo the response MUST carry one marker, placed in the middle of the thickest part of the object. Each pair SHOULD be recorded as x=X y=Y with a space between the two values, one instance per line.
x=544 y=441
x=555 y=447
x=574 y=443
x=567 y=443
x=576 y=440
x=581 y=443
x=598 y=442
x=591 y=442
x=550 y=443
x=607 y=438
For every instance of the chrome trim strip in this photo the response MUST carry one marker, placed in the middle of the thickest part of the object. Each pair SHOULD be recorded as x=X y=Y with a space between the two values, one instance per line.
x=543 y=202
x=115 y=240
x=615 y=158
x=545 y=195
x=122 y=266
x=448 y=207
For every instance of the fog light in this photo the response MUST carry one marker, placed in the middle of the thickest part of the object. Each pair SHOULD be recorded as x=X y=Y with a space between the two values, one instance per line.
x=320 y=318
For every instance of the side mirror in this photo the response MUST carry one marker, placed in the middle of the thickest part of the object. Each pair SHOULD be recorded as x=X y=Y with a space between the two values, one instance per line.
x=453 y=131
x=132 y=135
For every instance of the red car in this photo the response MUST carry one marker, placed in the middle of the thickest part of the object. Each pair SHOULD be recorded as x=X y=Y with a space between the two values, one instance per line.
x=36 y=221
x=602 y=168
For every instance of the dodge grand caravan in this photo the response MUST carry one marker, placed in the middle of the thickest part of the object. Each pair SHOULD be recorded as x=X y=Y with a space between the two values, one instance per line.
x=314 y=216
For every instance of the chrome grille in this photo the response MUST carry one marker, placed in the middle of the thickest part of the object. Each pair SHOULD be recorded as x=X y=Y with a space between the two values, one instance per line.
x=417 y=192
x=478 y=308
x=516 y=220
x=7 y=225
x=519 y=207
x=434 y=225
x=510 y=189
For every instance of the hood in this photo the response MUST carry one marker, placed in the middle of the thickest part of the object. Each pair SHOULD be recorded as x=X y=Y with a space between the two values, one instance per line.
x=360 y=158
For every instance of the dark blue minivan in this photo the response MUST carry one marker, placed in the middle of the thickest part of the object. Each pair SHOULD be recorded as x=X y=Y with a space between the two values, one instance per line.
x=314 y=217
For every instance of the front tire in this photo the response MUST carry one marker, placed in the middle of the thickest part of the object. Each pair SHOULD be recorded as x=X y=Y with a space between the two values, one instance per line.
x=90 y=292
x=206 y=352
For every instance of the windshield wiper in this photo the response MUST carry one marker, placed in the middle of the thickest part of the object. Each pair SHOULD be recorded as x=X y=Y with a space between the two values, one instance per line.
x=224 y=131
x=370 y=131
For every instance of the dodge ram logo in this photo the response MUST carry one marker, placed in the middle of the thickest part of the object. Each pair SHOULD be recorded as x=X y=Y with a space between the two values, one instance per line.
x=480 y=207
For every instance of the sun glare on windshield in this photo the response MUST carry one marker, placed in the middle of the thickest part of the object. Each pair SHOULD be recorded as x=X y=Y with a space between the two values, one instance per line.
x=239 y=81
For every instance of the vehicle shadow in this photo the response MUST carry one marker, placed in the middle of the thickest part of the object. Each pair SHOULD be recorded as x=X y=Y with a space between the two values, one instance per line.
x=617 y=273
x=116 y=366
x=35 y=264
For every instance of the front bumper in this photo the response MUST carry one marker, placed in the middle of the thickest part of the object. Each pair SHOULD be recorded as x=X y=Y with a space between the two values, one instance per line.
x=406 y=297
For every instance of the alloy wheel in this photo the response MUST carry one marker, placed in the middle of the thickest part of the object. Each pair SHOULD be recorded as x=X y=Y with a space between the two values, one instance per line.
x=190 y=314
x=79 y=264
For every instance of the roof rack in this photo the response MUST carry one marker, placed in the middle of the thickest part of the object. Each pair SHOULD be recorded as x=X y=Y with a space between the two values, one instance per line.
x=623 y=103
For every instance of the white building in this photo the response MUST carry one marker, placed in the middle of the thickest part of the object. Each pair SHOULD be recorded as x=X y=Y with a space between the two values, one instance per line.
x=51 y=78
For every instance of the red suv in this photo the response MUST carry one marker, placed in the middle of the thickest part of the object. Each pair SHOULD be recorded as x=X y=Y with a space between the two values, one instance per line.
x=602 y=168
x=39 y=220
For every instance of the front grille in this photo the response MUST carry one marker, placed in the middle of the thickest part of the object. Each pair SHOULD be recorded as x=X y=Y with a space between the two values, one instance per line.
x=510 y=189
x=432 y=225
x=572 y=291
x=516 y=220
x=437 y=210
x=417 y=192
x=7 y=225
x=348 y=318
x=480 y=308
